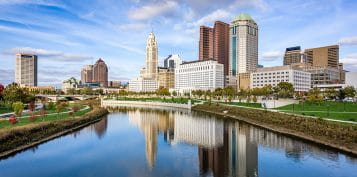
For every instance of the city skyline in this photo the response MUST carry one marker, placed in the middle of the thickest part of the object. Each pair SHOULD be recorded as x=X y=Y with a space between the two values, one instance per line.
x=118 y=35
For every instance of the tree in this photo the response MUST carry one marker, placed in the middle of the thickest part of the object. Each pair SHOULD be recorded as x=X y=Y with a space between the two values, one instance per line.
x=314 y=96
x=174 y=93
x=255 y=99
x=18 y=107
x=1 y=88
x=284 y=90
x=331 y=93
x=14 y=93
x=71 y=91
x=87 y=91
x=350 y=91
x=75 y=108
x=341 y=94
x=59 y=108
x=51 y=105
x=229 y=92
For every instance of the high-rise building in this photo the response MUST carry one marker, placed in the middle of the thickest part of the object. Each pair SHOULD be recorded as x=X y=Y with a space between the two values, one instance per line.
x=26 y=69
x=243 y=48
x=214 y=43
x=100 y=73
x=293 y=55
x=206 y=43
x=87 y=74
x=327 y=56
x=151 y=69
x=172 y=61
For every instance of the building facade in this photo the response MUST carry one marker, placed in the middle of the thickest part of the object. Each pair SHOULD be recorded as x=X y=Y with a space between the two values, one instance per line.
x=327 y=56
x=243 y=45
x=166 y=78
x=321 y=75
x=243 y=81
x=199 y=75
x=87 y=74
x=301 y=80
x=100 y=73
x=172 y=61
x=151 y=70
x=214 y=43
x=71 y=83
x=26 y=69
x=293 y=55
x=143 y=85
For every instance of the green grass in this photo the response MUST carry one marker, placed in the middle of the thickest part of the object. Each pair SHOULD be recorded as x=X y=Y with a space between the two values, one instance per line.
x=4 y=110
x=253 y=105
x=47 y=118
x=157 y=99
x=328 y=109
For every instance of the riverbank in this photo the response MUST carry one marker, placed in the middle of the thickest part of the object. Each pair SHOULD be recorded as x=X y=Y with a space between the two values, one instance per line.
x=115 y=103
x=23 y=137
x=335 y=135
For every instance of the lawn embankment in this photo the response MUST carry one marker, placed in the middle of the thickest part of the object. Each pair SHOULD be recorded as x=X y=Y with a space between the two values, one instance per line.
x=252 y=105
x=346 y=111
x=336 y=135
x=21 y=137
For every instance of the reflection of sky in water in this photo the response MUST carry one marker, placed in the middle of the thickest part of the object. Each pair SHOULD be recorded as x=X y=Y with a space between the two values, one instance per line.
x=175 y=143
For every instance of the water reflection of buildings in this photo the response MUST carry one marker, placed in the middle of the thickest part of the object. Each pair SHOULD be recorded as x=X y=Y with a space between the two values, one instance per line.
x=100 y=128
x=225 y=148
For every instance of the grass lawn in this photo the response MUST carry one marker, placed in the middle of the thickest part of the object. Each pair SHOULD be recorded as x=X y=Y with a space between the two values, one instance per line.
x=166 y=100
x=253 y=105
x=47 y=118
x=327 y=109
x=5 y=110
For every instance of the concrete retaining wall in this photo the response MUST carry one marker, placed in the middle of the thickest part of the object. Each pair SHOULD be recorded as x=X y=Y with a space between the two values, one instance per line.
x=113 y=103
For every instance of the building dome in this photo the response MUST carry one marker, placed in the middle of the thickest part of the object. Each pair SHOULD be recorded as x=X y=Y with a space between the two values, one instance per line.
x=243 y=17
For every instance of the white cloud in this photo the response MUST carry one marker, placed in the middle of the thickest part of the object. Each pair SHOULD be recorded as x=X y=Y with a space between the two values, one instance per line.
x=210 y=18
x=350 y=59
x=257 y=4
x=39 y=2
x=153 y=10
x=133 y=26
x=348 y=40
x=272 y=55
x=53 y=54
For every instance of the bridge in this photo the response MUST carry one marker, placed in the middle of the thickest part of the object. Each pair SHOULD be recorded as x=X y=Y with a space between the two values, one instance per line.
x=66 y=97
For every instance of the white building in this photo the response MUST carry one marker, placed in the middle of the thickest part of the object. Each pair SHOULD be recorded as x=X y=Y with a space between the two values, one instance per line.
x=301 y=80
x=172 y=61
x=142 y=84
x=351 y=79
x=199 y=75
x=71 y=83
x=151 y=71
x=26 y=70
x=243 y=45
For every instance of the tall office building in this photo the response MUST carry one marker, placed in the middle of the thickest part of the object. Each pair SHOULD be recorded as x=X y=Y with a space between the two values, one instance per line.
x=100 y=73
x=243 y=49
x=327 y=56
x=172 y=61
x=206 y=43
x=87 y=74
x=293 y=55
x=151 y=69
x=214 y=43
x=26 y=69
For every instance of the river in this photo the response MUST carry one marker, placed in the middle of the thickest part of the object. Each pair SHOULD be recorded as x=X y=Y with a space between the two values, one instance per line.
x=175 y=142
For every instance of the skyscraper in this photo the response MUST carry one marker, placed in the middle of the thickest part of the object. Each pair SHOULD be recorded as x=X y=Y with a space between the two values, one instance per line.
x=214 y=43
x=87 y=74
x=26 y=69
x=293 y=55
x=151 y=69
x=172 y=61
x=100 y=73
x=327 y=56
x=206 y=43
x=243 y=49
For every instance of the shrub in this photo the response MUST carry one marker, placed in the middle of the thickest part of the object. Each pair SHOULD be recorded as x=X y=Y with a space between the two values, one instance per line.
x=12 y=120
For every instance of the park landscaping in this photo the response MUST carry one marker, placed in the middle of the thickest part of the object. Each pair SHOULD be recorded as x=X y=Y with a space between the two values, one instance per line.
x=337 y=135
x=180 y=100
x=346 y=111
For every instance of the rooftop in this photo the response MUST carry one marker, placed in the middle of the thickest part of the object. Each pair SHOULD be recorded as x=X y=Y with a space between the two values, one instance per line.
x=243 y=17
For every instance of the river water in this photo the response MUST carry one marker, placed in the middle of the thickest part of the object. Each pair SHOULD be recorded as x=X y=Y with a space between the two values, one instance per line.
x=173 y=142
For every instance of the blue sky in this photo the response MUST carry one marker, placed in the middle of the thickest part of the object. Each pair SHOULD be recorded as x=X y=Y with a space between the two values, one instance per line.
x=68 y=34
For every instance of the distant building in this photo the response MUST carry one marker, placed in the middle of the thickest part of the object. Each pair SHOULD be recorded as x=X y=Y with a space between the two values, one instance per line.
x=351 y=79
x=293 y=55
x=321 y=75
x=26 y=70
x=87 y=74
x=151 y=70
x=172 y=61
x=166 y=78
x=41 y=89
x=71 y=83
x=100 y=73
x=243 y=49
x=243 y=81
x=214 y=43
x=199 y=75
x=300 y=80
x=327 y=56
x=143 y=85
x=114 y=84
